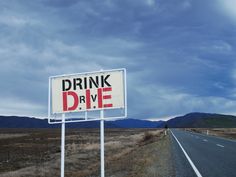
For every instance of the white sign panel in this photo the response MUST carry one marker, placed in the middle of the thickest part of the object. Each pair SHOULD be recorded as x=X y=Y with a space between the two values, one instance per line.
x=88 y=91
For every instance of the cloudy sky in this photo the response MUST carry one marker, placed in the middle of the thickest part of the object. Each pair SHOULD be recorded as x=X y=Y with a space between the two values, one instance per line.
x=180 y=55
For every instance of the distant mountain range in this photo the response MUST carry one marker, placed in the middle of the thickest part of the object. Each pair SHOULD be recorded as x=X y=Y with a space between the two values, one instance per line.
x=191 y=120
x=27 y=122
x=203 y=120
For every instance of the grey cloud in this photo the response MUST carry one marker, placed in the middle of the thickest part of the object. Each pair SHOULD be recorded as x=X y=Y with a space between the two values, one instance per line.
x=178 y=57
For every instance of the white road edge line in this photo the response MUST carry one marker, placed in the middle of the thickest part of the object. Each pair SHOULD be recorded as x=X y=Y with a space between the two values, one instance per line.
x=219 y=145
x=186 y=155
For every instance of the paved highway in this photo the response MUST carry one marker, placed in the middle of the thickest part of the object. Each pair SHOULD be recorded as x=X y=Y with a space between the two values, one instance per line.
x=203 y=156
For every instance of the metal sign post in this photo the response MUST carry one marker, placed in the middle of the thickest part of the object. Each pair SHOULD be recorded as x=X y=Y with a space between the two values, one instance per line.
x=102 y=143
x=63 y=145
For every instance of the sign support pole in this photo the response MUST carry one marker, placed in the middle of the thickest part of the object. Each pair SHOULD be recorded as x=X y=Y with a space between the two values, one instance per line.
x=86 y=115
x=102 y=142
x=63 y=145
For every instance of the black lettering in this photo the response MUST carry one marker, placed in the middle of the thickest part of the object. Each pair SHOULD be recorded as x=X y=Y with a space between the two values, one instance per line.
x=82 y=99
x=77 y=82
x=85 y=83
x=93 y=82
x=94 y=97
x=64 y=81
x=104 y=80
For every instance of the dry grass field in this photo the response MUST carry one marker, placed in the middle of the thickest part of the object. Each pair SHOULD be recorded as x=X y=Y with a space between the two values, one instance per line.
x=128 y=153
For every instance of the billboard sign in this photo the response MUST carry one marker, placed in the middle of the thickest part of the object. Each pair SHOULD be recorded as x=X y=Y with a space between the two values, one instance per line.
x=88 y=91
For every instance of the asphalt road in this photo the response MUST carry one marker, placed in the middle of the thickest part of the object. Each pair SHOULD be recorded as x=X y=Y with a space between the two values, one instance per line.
x=210 y=156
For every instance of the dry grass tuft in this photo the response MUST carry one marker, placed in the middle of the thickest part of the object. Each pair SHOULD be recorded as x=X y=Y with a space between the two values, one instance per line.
x=147 y=138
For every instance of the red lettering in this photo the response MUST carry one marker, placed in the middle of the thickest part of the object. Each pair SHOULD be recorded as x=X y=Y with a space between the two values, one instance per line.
x=107 y=97
x=99 y=98
x=65 y=102
x=88 y=102
x=107 y=89
x=102 y=94
x=102 y=97
x=108 y=105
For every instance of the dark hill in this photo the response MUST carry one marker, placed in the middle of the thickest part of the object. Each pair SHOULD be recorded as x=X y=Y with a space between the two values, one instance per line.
x=191 y=120
x=202 y=120
x=26 y=122
x=23 y=122
x=136 y=123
